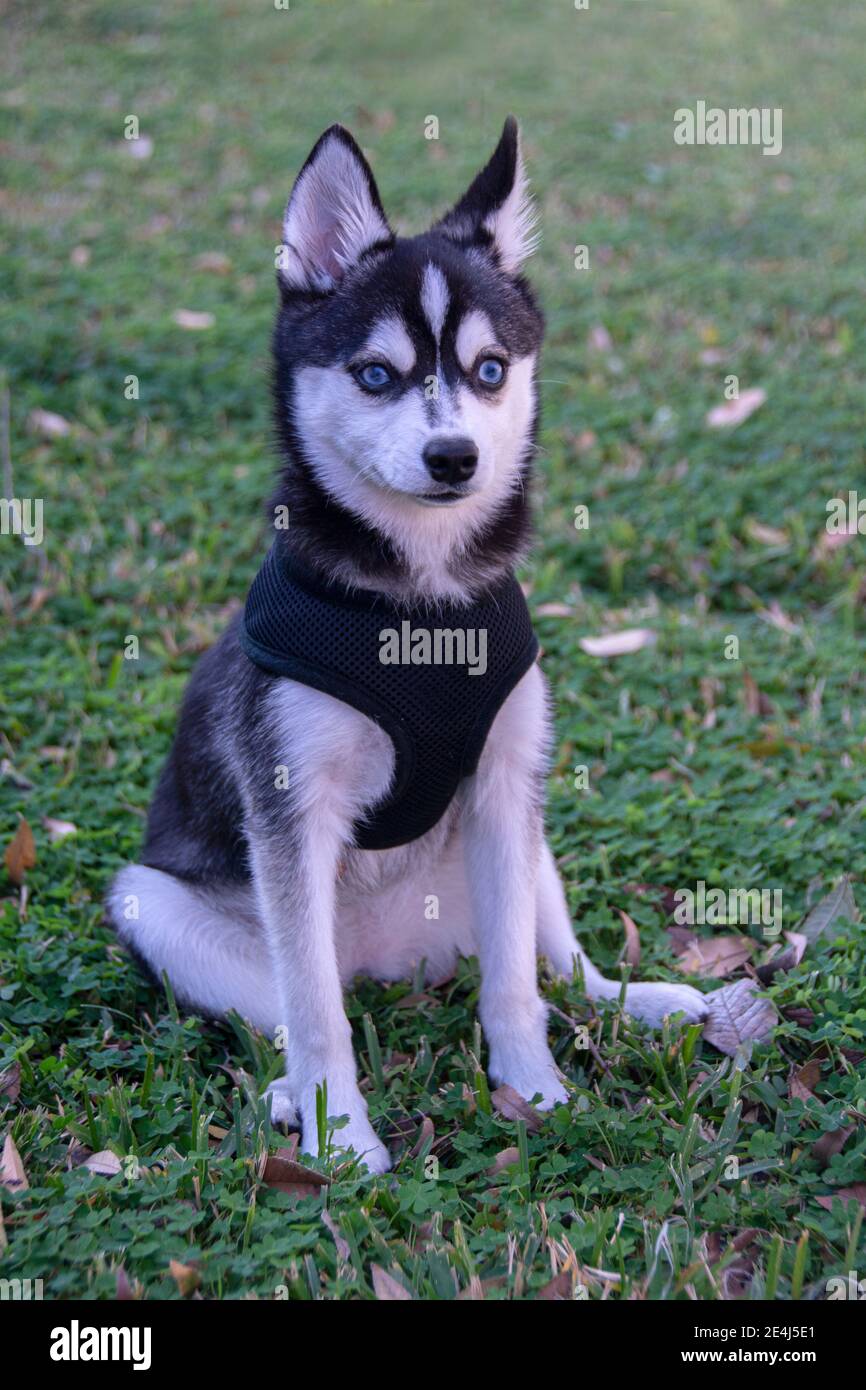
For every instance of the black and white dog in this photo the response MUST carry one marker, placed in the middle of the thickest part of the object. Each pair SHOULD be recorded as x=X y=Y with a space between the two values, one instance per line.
x=274 y=868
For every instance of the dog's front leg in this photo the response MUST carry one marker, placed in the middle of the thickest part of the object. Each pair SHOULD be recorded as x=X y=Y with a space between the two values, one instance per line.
x=502 y=832
x=295 y=876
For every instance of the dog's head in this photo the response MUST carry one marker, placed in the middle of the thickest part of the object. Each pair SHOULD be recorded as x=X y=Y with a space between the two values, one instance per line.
x=405 y=366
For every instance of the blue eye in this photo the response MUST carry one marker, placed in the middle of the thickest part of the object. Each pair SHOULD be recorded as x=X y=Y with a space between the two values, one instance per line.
x=491 y=371
x=374 y=376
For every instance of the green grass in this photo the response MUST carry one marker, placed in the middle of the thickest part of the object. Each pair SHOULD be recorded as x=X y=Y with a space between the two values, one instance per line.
x=152 y=517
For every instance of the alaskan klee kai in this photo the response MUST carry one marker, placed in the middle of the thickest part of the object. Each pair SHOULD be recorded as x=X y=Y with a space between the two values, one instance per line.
x=335 y=772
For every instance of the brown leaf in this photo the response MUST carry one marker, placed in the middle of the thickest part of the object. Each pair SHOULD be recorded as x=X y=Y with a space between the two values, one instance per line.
x=105 y=1164
x=20 y=853
x=736 y=1015
x=504 y=1159
x=386 y=1288
x=187 y=1277
x=732 y=413
x=10 y=1082
x=12 y=1175
x=632 y=939
x=630 y=639
x=282 y=1172
x=426 y=1131
x=781 y=961
x=856 y=1192
x=217 y=262
x=553 y=610
x=830 y=1144
x=511 y=1105
x=123 y=1290
x=343 y=1248
x=193 y=319
x=716 y=955
x=838 y=903
x=560 y=1287
x=803 y=1080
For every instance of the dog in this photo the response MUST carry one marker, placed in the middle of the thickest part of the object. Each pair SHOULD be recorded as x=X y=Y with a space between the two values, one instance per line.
x=281 y=858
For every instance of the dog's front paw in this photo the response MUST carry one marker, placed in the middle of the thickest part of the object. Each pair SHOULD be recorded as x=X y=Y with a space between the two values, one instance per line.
x=357 y=1135
x=652 y=1002
x=531 y=1077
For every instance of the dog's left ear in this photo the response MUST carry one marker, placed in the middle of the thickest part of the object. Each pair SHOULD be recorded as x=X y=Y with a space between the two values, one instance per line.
x=496 y=211
x=333 y=216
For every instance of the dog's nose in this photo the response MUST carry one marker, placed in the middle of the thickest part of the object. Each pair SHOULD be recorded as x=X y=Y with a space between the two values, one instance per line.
x=451 y=460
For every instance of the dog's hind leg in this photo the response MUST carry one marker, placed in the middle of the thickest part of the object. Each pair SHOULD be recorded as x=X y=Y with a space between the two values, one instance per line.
x=207 y=940
x=555 y=939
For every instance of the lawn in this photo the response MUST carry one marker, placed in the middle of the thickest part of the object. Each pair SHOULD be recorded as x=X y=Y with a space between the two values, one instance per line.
x=675 y=1172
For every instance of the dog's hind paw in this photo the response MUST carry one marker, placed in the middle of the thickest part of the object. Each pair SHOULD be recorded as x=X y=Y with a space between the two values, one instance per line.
x=653 y=1002
x=283 y=1109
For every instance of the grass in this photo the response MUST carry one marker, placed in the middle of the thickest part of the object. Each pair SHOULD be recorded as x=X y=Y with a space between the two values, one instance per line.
x=702 y=263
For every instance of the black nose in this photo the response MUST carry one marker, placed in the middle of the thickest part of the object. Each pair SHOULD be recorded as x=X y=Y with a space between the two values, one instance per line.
x=451 y=460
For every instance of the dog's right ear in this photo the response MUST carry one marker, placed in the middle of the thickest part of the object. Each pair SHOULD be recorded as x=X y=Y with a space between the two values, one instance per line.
x=333 y=216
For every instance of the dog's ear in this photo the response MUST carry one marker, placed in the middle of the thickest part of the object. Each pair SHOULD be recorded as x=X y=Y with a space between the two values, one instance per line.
x=333 y=216
x=496 y=211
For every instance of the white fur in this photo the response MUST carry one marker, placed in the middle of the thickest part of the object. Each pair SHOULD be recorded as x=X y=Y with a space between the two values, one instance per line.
x=474 y=335
x=434 y=299
x=368 y=453
x=330 y=219
x=282 y=952
x=390 y=340
x=513 y=224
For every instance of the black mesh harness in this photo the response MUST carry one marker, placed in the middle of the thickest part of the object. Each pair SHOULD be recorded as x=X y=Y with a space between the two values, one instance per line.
x=437 y=711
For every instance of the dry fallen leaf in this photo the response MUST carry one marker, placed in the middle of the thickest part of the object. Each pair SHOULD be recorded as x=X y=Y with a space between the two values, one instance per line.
x=142 y=148
x=619 y=643
x=783 y=960
x=12 y=1175
x=715 y=955
x=737 y=1014
x=734 y=412
x=856 y=1192
x=217 y=262
x=20 y=853
x=511 y=1105
x=192 y=319
x=48 y=424
x=187 y=1277
x=105 y=1164
x=58 y=829
x=386 y=1288
x=838 y=903
x=833 y=1143
x=559 y=1288
x=764 y=534
x=632 y=939
x=426 y=1131
x=284 y=1173
x=803 y=1080
x=10 y=1082
x=504 y=1159
x=553 y=610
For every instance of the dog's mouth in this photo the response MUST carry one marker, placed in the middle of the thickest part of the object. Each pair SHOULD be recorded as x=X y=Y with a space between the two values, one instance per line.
x=445 y=496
